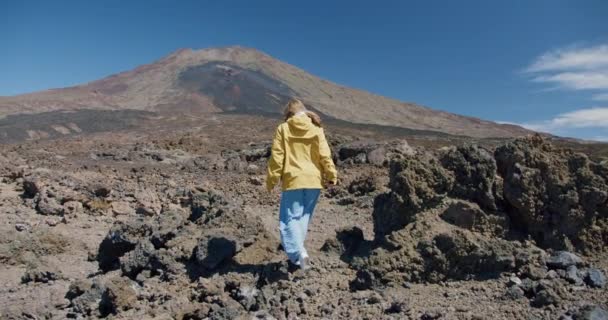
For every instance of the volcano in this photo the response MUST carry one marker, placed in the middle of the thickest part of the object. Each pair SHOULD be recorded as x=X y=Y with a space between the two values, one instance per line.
x=226 y=80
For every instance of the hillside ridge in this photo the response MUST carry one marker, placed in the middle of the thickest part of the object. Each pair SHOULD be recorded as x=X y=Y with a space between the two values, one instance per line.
x=237 y=78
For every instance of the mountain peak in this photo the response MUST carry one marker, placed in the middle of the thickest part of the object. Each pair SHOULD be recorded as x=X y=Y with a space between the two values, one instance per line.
x=235 y=53
x=242 y=79
x=180 y=52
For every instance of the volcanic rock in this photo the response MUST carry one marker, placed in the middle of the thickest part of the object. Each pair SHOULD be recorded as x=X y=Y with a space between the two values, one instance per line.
x=363 y=186
x=557 y=196
x=122 y=208
x=474 y=170
x=31 y=186
x=213 y=251
x=122 y=238
x=595 y=278
x=416 y=183
x=41 y=274
x=572 y=276
x=49 y=206
x=119 y=295
x=591 y=313
x=563 y=260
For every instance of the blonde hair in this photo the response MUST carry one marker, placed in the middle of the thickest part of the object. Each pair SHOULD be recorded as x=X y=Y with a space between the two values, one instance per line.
x=294 y=106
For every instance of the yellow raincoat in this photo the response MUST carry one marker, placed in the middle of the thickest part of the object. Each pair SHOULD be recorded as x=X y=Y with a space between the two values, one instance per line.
x=301 y=157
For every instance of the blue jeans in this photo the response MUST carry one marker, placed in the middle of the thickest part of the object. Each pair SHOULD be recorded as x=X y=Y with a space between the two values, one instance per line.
x=296 y=209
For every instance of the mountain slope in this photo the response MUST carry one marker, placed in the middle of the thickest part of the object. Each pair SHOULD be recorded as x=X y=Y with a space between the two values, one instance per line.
x=237 y=79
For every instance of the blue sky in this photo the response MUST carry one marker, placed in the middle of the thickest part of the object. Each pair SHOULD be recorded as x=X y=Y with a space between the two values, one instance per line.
x=543 y=64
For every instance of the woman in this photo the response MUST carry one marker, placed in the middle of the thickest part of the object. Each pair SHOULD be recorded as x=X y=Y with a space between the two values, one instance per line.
x=301 y=159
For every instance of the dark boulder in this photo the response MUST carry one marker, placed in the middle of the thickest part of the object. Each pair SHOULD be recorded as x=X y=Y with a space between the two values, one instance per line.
x=595 y=278
x=255 y=153
x=49 y=206
x=213 y=251
x=591 y=313
x=416 y=183
x=365 y=280
x=119 y=295
x=102 y=191
x=168 y=225
x=206 y=206
x=142 y=257
x=573 y=276
x=41 y=274
x=563 y=260
x=474 y=171
x=470 y=216
x=356 y=149
x=346 y=242
x=122 y=238
x=557 y=196
x=378 y=156
x=84 y=298
x=31 y=186
x=363 y=185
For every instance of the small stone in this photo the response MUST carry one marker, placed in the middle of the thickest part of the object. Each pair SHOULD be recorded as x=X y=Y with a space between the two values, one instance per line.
x=31 y=187
x=396 y=307
x=49 y=206
x=374 y=298
x=120 y=295
x=52 y=222
x=595 y=278
x=514 y=293
x=514 y=281
x=361 y=158
x=252 y=169
x=363 y=281
x=534 y=272
x=545 y=297
x=72 y=207
x=146 y=211
x=462 y=309
x=40 y=275
x=22 y=227
x=236 y=164
x=121 y=208
x=141 y=277
x=327 y=308
x=552 y=274
x=591 y=313
x=528 y=285
x=247 y=297
x=377 y=156
x=563 y=259
x=77 y=288
x=102 y=191
x=404 y=148
x=148 y=203
x=572 y=276
x=431 y=315
x=256 y=181
x=302 y=297
x=210 y=253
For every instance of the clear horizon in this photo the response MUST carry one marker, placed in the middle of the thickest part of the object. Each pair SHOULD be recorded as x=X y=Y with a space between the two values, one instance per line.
x=540 y=64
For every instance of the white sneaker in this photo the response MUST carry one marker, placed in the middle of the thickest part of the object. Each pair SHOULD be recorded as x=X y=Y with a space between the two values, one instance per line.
x=304 y=262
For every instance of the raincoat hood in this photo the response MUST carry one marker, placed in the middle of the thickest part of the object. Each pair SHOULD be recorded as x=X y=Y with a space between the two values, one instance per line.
x=301 y=126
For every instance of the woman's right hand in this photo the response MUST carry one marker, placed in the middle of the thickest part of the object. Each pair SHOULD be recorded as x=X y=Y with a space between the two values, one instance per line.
x=330 y=184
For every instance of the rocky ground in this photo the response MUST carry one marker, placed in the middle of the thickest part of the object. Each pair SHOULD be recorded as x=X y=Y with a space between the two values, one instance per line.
x=166 y=224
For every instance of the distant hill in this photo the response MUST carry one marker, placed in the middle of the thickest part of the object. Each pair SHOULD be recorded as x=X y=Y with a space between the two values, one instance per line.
x=243 y=80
